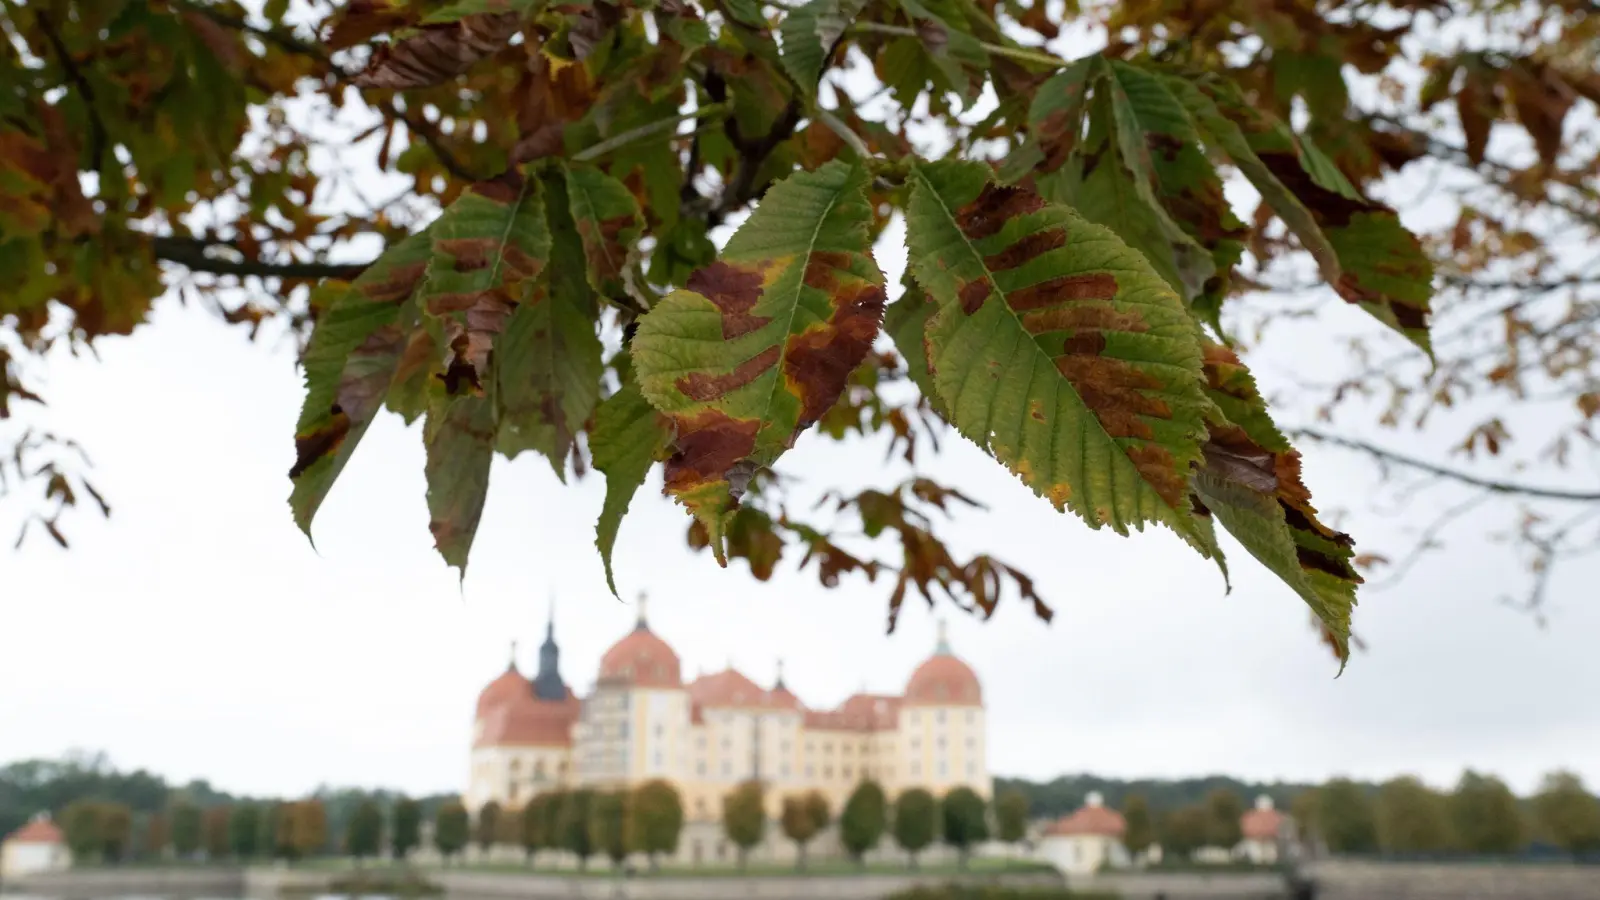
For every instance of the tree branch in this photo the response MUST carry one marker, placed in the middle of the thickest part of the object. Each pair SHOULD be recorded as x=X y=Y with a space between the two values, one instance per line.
x=191 y=254
x=97 y=127
x=1488 y=484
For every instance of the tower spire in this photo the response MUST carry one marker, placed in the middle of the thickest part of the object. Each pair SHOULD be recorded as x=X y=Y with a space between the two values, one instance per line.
x=512 y=663
x=547 y=683
x=779 y=685
x=942 y=648
x=642 y=624
x=550 y=624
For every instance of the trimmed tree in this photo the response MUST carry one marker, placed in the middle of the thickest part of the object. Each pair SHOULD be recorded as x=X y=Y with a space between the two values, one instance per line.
x=573 y=825
x=1568 y=813
x=1184 y=830
x=863 y=820
x=363 y=834
x=1223 y=811
x=656 y=820
x=244 y=830
x=157 y=836
x=185 y=819
x=450 y=829
x=310 y=831
x=964 y=816
x=216 y=828
x=1411 y=817
x=1011 y=816
x=487 y=828
x=535 y=833
x=116 y=832
x=916 y=822
x=407 y=827
x=267 y=837
x=801 y=821
x=1486 y=815
x=81 y=825
x=608 y=825
x=1345 y=817
x=1140 y=833
x=744 y=818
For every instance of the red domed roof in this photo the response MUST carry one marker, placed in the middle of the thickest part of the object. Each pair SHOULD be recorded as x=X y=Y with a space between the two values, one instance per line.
x=641 y=660
x=527 y=720
x=1262 y=823
x=38 y=831
x=1091 y=818
x=943 y=680
x=509 y=686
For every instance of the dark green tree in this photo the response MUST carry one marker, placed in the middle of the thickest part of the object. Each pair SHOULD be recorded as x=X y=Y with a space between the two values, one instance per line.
x=1140 y=833
x=1223 y=811
x=450 y=829
x=744 y=818
x=267 y=841
x=573 y=825
x=1185 y=829
x=536 y=833
x=486 y=831
x=116 y=832
x=1411 y=817
x=916 y=822
x=244 y=830
x=1486 y=816
x=82 y=824
x=863 y=820
x=1345 y=817
x=608 y=825
x=407 y=834
x=1011 y=816
x=965 y=821
x=216 y=829
x=655 y=820
x=186 y=828
x=1569 y=814
x=363 y=834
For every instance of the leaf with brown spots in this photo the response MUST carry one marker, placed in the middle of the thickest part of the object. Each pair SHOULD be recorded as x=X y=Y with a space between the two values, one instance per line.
x=608 y=223
x=1363 y=251
x=1072 y=361
x=547 y=363
x=438 y=52
x=488 y=250
x=349 y=363
x=1251 y=483
x=458 y=436
x=759 y=344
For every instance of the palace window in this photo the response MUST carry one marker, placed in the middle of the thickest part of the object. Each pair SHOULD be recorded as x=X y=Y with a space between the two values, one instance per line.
x=940 y=718
x=944 y=770
x=845 y=771
x=827 y=771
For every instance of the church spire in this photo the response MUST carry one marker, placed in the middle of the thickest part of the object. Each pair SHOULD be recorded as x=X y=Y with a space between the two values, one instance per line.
x=547 y=684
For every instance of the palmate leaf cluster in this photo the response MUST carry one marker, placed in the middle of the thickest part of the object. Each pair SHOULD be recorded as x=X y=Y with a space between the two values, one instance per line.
x=1061 y=311
x=1070 y=256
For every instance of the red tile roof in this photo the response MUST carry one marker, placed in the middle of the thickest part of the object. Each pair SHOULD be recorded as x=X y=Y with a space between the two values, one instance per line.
x=732 y=688
x=529 y=721
x=508 y=686
x=641 y=660
x=943 y=680
x=1261 y=824
x=39 y=831
x=860 y=712
x=1097 y=820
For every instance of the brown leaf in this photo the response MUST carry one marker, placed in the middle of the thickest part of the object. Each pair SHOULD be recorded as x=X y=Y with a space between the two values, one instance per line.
x=439 y=52
x=1476 y=108
x=1541 y=100
x=359 y=21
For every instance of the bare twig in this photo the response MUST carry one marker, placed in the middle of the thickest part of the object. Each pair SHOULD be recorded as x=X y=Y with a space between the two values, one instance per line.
x=1488 y=484
x=191 y=253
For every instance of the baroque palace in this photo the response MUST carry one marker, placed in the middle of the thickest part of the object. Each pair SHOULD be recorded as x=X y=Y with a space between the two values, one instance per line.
x=642 y=721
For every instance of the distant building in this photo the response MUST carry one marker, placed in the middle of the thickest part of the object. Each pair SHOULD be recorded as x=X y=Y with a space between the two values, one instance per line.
x=38 y=846
x=642 y=721
x=1264 y=830
x=1087 y=839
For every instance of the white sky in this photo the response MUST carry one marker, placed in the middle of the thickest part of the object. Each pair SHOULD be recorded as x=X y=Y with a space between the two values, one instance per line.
x=198 y=634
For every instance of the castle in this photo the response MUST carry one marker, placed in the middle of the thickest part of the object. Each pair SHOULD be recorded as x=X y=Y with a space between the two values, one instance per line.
x=642 y=721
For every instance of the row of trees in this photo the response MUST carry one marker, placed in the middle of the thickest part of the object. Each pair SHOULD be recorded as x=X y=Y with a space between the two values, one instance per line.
x=1480 y=815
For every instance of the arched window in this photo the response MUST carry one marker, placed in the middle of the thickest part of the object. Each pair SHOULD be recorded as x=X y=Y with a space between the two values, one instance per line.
x=538 y=770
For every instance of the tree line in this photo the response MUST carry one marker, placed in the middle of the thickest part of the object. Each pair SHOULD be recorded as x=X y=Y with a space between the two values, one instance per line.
x=1480 y=815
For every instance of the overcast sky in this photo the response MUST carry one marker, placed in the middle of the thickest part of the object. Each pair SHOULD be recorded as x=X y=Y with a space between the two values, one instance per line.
x=197 y=633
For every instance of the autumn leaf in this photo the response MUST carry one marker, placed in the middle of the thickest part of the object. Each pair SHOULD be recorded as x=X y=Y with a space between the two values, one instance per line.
x=458 y=437
x=1250 y=482
x=436 y=53
x=349 y=364
x=1058 y=350
x=759 y=344
x=627 y=439
x=608 y=224
x=809 y=32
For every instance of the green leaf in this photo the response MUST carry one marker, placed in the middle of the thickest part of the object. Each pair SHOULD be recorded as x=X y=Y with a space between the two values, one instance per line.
x=1059 y=350
x=1374 y=261
x=946 y=39
x=488 y=250
x=548 y=362
x=1111 y=177
x=348 y=364
x=627 y=438
x=1251 y=483
x=458 y=437
x=809 y=32
x=760 y=343
x=905 y=321
x=608 y=225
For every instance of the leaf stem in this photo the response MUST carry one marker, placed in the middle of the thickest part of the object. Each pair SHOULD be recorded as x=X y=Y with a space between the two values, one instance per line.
x=1021 y=54
x=838 y=127
x=644 y=131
